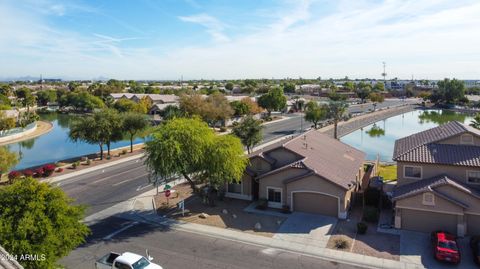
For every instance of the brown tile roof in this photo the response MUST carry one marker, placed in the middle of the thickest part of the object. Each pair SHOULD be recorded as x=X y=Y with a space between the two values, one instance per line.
x=422 y=147
x=429 y=184
x=327 y=157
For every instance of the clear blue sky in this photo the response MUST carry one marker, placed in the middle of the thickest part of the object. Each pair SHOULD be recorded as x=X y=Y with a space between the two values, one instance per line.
x=214 y=39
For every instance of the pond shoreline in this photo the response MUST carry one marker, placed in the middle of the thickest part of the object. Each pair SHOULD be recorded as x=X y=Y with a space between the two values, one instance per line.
x=42 y=128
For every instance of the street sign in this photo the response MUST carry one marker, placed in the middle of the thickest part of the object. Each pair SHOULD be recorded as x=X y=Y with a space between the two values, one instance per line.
x=167 y=193
x=167 y=187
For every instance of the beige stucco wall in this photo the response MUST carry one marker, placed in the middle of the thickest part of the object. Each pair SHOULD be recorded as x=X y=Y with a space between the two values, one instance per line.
x=455 y=140
x=259 y=165
x=472 y=202
x=430 y=170
x=317 y=184
x=246 y=185
x=441 y=205
x=283 y=156
x=276 y=180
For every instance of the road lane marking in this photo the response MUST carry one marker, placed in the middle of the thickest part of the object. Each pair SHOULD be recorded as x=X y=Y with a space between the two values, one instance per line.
x=110 y=236
x=105 y=178
x=127 y=180
x=139 y=188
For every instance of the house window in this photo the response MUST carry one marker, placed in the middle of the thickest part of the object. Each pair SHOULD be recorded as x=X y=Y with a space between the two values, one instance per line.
x=473 y=177
x=428 y=199
x=466 y=139
x=412 y=172
x=234 y=188
x=274 y=195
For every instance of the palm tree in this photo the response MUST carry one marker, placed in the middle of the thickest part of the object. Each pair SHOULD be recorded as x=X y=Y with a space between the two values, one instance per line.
x=336 y=111
x=476 y=121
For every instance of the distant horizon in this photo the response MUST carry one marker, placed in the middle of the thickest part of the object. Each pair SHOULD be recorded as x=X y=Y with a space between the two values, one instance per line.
x=164 y=40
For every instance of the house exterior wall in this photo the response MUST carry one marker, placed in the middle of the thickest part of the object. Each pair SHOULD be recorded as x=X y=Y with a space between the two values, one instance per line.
x=441 y=205
x=431 y=170
x=283 y=157
x=472 y=202
x=455 y=140
x=246 y=194
x=276 y=180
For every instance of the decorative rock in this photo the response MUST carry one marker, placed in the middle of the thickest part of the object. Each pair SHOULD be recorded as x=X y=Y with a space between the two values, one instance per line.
x=224 y=211
x=258 y=226
x=203 y=216
x=234 y=216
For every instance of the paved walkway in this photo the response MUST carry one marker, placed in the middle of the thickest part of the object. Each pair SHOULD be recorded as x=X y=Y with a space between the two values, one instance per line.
x=43 y=127
x=355 y=123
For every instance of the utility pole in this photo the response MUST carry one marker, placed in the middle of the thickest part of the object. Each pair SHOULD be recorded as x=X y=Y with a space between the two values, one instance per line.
x=384 y=74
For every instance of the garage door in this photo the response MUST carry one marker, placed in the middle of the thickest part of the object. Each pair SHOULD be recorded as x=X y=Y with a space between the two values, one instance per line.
x=473 y=224
x=315 y=203
x=424 y=221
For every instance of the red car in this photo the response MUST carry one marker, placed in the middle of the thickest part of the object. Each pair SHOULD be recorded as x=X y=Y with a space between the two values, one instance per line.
x=445 y=247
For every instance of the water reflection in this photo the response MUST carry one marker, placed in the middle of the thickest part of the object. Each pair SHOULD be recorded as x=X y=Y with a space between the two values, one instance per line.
x=375 y=131
x=441 y=116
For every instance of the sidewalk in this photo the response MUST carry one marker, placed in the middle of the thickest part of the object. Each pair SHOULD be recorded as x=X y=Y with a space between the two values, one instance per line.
x=142 y=209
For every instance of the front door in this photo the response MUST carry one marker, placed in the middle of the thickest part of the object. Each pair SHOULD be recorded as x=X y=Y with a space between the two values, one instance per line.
x=255 y=188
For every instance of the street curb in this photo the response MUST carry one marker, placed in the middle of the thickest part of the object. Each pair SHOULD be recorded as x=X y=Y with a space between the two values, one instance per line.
x=92 y=169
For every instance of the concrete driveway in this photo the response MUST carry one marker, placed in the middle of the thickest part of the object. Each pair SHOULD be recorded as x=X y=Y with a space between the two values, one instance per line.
x=415 y=247
x=307 y=229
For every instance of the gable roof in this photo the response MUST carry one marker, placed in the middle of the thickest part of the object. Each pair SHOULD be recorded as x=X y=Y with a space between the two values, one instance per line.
x=423 y=147
x=429 y=184
x=325 y=156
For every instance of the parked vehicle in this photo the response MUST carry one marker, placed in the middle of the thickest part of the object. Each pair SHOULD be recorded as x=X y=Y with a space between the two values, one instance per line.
x=445 y=247
x=127 y=260
x=475 y=246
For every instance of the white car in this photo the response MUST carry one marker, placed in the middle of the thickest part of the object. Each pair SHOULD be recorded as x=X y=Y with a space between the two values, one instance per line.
x=127 y=260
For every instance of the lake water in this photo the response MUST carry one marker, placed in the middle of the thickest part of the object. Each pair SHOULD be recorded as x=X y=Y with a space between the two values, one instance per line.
x=55 y=145
x=379 y=138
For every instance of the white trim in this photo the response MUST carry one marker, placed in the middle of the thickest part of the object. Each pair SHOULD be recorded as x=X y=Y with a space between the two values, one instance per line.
x=472 y=183
x=238 y=196
x=274 y=204
x=466 y=143
x=341 y=215
x=433 y=211
x=424 y=202
x=415 y=166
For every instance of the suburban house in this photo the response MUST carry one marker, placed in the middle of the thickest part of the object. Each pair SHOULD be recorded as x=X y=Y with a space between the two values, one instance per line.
x=438 y=173
x=155 y=98
x=311 y=173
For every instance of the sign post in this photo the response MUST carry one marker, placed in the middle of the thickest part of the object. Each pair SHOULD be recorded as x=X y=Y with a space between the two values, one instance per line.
x=167 y=194
x=181 y=205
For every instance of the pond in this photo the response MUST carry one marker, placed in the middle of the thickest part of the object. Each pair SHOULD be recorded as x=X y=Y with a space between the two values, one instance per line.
x=55 y=145
x=379 y=138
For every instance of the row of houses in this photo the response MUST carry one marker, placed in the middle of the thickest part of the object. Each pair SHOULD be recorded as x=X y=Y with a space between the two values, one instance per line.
x=438 y=173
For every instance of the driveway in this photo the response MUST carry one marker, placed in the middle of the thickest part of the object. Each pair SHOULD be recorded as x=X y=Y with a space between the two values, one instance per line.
x=415 y=247
x=307 y=229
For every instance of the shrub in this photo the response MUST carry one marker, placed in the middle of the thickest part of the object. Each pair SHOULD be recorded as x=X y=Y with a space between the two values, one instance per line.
x=362 y=227
x=39 y=172
x=14 y=175
x=235 y=123
x=262 y=204
x=74 y=165
x=370 y=214
x=341 y=243
x=88 y=162
x=48 y=169
x=268 y=118
x=124 y=151
x=28 y=173
x=108 y=157
x=223 y=129
x=59 y=170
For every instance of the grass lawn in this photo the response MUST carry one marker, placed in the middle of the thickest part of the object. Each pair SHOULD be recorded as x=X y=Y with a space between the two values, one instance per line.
x=388 y=172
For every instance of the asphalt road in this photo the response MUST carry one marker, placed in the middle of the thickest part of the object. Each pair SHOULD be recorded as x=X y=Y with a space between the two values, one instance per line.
x=176 y=249
x=102 y=189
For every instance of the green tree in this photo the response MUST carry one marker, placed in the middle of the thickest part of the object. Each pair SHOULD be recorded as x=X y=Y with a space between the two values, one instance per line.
x=26 y=97
x=6 y=90
x=217 y=109
x=476 y=121
x=289 y=88
x=185 y=147
x=73 y=85
x=336 y=111
x=379 y=87
x=239 y=108
x=6 y=123
x=274 y=100
x=102 y=128
x=171 y=112
x=229 y=86
x=249 y=131
x=349 y=85
x=133 y=123
x=7 y=160
x=450 y=91
x=125 y=105
x=376 y=98
x=36 y=218
x=363 y=91
x=315 y=113
x=47 y=96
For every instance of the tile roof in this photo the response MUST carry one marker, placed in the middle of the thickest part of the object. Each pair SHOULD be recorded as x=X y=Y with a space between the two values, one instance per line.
x=422 y=147
x=327 y=157
x=429 y=184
